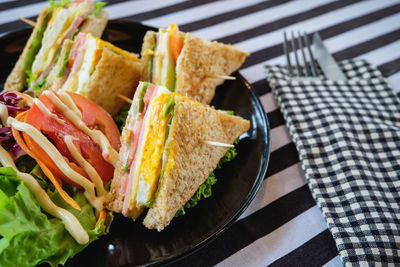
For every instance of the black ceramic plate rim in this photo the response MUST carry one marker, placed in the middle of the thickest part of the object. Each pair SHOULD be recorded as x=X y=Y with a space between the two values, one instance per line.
x=257 y=182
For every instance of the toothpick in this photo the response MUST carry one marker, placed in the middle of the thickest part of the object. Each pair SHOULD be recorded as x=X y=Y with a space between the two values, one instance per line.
x=213 y=143
x=127 y=99
x=28 y=21
x=223 y=77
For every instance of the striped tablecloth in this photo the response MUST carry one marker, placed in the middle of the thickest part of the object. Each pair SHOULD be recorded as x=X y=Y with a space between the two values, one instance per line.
x=283 y=225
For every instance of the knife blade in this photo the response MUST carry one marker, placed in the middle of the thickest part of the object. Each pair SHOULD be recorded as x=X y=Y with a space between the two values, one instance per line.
x=326 y=61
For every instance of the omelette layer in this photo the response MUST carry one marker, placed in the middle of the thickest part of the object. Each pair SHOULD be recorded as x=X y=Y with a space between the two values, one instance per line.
x=147 y=163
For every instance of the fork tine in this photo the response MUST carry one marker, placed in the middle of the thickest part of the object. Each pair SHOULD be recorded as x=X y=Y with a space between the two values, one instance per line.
x=299 y=40
x=313 y=65
x=299 y=72
x=286 y=50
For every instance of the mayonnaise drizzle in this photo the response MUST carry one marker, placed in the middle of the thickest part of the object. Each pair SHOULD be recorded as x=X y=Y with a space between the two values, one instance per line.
x=71 y=223
x=89 y=169
x=46 y=111
x=108 y=152
x=69 y=102
x=57 y=158
x=3 y=114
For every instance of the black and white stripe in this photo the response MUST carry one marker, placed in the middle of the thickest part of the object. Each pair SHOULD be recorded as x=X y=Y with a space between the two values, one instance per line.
x=283 y=225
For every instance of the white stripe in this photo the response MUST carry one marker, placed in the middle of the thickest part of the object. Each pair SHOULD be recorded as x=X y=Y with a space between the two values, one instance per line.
x=383 y=54
x=280 y=242
x=130 y=8
x=23 y=11
x=255 y=19
x=255 y=72
x=394 y=81
x=335 y=262
x=199 y=12
x=268 y=102
x=314 y=24
x=279 y=137
x=276 y=186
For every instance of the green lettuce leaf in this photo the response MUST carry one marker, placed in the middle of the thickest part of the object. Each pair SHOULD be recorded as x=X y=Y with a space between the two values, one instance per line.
x=61 y=3
x=33 y=50
x=29 y=235
x=120 y=118
x=64 y=63
x=97 y=7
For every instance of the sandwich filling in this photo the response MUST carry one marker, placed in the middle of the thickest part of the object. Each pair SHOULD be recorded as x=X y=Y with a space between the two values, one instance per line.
x=145 y=160
x=81 y=59
x=61 y=22
x=167 y=46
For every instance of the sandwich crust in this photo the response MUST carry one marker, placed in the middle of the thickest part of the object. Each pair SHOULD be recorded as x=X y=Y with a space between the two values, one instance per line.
x=113 y=75
x=198 y=64
x=95 y=25
x=16 y=80
x=147 y=45
x=189 y=159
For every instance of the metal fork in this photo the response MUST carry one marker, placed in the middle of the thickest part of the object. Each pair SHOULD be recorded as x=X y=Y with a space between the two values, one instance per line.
x=302 y=72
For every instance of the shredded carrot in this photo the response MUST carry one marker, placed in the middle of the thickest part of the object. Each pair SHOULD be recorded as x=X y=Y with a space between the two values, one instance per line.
x=102 y=217
x=24 y=96
x=44 y=168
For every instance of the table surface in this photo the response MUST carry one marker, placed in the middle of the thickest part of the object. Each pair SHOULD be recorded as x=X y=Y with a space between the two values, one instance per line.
x=283 y=225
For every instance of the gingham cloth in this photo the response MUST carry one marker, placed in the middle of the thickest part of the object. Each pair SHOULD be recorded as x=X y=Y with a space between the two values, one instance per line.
x=347 y=134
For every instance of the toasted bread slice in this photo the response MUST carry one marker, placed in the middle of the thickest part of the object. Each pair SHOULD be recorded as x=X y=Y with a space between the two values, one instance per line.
x=95 y=25
x=114 y=75
x=147 y=45
x=16 y=80
x=189 y=159
x=92 y=24
x=200 y=62
x=199 y=65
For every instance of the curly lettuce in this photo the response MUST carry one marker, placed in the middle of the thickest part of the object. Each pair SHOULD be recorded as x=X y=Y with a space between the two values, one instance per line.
x=120 y=118
x=29 y=236
x=204 y=190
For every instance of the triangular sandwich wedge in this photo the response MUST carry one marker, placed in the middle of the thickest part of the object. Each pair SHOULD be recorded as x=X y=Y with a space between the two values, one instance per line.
x=57 y=22
x=164 y=156
x=186 y=64
x=97 y=70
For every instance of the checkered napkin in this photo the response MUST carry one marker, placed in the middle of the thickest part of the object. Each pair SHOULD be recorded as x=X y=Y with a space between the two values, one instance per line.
x=347 y=134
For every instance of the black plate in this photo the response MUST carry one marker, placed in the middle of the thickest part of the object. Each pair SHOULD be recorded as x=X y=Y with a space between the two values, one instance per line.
x=131 y=244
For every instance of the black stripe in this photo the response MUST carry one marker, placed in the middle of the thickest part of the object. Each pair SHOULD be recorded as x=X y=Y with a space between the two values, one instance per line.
x=16 y=25
x=275 y=118
x=283 y=22
x=282 y=158
x=261 y=87
x=166 y=10
x=203 y=23
x=18 y=3
x=276 y=50
x=368 y=46
x=316 y=252
x=390 y=68
x=249 y=229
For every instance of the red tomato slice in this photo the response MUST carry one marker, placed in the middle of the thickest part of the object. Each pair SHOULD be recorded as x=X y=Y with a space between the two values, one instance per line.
x=94 y=117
